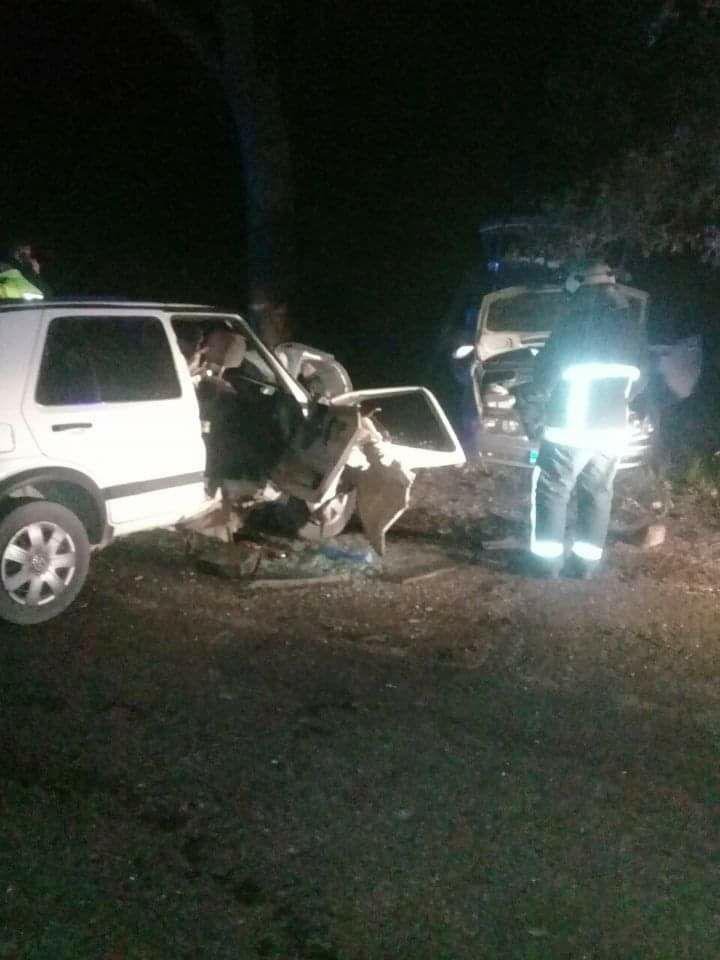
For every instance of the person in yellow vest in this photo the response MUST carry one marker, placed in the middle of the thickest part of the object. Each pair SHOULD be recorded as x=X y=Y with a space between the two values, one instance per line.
x=14 y=286
x=14 y=271
x=582 y=384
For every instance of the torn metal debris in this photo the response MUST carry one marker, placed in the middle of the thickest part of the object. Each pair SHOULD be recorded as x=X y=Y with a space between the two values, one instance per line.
x=286 y=428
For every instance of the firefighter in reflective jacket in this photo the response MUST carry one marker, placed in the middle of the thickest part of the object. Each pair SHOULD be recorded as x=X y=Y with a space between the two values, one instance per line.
x=14 y=285
x=582 y=381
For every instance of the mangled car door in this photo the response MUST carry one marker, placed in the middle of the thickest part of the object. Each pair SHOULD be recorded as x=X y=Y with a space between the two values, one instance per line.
x=406 y=429
x=318 y=372
x=321 y=447
x=417 y=433
x=345 y=442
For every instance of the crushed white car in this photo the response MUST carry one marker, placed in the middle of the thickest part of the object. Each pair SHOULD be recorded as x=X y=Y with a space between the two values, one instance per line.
x=122 y=417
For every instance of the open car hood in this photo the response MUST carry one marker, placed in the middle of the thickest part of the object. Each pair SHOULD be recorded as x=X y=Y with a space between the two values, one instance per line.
x=523 y=317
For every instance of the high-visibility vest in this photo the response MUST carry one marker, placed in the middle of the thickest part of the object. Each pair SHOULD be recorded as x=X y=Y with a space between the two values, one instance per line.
x=14 y=286
x=589 y=406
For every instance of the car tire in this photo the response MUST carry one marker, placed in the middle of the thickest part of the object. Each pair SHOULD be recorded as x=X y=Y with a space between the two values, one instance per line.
x=44 y=560
x=329 y=521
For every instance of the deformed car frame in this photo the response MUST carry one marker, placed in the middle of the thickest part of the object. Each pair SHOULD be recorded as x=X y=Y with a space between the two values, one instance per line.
x=337 y=459
x=120 y=417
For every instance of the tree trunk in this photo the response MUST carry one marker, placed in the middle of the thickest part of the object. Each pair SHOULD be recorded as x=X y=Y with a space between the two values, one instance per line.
x=254 y=110
x=253 y=103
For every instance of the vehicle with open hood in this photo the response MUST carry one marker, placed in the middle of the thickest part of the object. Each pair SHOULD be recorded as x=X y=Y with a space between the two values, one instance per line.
x=501 y=319
x=513 y=326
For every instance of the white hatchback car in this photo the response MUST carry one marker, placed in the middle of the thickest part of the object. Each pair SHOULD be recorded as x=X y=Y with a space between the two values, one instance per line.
x=101 y=435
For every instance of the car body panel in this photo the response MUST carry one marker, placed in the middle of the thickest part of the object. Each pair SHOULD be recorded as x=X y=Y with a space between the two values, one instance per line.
x=319 y=372
x=413 y=457
x=141 y=454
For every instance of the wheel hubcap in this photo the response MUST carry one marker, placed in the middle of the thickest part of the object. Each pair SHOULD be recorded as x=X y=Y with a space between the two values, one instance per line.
x=38 y=564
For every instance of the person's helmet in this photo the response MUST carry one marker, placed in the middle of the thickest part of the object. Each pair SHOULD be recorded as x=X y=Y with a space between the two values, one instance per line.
x=595 y=272
x=18 y=249
x=589 y=274
x=21 y=252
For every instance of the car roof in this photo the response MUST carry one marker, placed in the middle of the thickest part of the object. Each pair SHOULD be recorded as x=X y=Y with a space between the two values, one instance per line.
x=106 y=304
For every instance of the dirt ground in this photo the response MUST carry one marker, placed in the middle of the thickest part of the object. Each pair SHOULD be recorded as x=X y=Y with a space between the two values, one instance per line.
x=467 y=764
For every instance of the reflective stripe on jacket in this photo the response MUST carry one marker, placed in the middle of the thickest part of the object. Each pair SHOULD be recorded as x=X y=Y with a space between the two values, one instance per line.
x=14 y=286
x=589 y=406
x=583 y=377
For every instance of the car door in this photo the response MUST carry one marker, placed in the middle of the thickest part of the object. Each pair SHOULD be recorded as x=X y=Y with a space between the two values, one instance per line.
x=110 y=398
x=416 y=437
x=320 y=373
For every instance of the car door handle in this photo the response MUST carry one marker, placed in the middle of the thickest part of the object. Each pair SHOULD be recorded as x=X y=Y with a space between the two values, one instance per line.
x=59 y=427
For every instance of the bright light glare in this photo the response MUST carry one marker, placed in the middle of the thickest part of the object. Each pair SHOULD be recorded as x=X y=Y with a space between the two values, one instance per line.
x=463 y=351
x=587 y=551
x=600 y=371
x=547 y=549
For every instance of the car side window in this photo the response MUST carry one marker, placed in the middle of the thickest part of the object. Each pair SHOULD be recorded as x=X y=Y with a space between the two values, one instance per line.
x=106 y=360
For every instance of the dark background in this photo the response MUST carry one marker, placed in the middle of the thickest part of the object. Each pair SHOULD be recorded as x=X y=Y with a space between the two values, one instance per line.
x=409 y=123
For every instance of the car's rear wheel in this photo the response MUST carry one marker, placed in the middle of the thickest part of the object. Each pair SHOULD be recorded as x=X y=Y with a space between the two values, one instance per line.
x=44 y=559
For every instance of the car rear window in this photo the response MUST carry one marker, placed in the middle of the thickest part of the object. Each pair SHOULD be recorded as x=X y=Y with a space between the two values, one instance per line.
x=106 y=360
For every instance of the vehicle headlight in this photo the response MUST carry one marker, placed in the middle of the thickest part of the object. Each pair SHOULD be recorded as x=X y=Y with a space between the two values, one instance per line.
x=464 y=351
x=498 y=397
x=501 y=425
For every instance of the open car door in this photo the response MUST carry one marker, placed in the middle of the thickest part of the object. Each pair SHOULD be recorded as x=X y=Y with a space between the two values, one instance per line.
x=319 y=372
x=344 y=445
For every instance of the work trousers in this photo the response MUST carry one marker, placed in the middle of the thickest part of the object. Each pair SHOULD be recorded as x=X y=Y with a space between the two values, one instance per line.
x=558 y=471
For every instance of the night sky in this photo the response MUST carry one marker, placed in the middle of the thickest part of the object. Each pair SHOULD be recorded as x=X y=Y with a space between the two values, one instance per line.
x=409 y=123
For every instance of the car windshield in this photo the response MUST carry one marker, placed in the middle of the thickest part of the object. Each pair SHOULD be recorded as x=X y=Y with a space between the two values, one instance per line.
x=533 y=311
